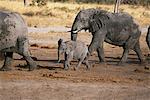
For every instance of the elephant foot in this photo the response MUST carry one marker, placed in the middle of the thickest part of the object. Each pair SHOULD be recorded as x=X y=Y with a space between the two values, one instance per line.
x=32 y=67
x=58 y=61
x=4 y=68
x=122 y=64
x=88 y=68
x=75 y=68
x=66 y=68
x=84 y=62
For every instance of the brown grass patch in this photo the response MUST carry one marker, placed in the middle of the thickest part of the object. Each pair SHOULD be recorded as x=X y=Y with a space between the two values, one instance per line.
x=63 y=14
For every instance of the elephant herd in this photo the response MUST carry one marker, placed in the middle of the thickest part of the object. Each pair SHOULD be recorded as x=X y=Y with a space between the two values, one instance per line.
x=118 y=29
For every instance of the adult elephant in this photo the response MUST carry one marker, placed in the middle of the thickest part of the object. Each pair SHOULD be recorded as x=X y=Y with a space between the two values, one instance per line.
x=13 y=38
x=116 y=29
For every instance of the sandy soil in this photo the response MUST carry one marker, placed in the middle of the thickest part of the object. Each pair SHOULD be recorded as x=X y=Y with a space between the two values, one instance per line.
x=50 y=82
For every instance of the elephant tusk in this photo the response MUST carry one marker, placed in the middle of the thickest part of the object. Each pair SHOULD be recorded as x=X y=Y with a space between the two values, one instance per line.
x=73 y=31
x=69 y=31
x=76 y=31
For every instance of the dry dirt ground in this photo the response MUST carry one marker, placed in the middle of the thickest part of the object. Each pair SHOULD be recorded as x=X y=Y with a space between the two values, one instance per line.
x=50 y=82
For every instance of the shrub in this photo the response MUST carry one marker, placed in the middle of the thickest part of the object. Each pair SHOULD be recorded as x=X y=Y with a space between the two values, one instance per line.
x=142 y=2
x=39 y=2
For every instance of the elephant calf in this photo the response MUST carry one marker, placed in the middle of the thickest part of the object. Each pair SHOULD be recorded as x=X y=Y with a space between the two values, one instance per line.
x=73 y=50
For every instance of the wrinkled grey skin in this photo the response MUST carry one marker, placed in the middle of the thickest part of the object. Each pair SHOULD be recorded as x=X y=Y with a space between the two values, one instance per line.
x=13 y=38
x=116 y=29
x=148 y=37
x=73 y=50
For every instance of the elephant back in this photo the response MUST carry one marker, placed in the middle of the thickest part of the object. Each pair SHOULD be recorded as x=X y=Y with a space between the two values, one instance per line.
x=12 y=26
x=119 y=18
x=111 y=21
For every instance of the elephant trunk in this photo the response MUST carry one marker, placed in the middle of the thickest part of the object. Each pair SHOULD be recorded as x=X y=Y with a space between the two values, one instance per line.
x=73 y=36
x=59 y=53
x=74 y=31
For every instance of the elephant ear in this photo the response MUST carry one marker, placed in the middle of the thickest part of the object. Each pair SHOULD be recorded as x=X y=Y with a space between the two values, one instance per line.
x=60 y=41
x=94 y=25
x=98 y=21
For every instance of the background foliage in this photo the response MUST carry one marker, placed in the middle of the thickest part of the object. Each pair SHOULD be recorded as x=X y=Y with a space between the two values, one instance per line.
x=142 y=2
x=63 y=13
x=131 y=2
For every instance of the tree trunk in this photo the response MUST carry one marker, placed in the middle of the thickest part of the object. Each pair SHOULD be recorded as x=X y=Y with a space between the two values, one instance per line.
x=25 y=2
x=116 y=8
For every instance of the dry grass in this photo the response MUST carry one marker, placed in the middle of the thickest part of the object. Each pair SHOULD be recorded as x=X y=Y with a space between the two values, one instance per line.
x=62 y=14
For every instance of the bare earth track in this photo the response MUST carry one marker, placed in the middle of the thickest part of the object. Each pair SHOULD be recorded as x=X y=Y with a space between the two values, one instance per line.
x=50 y=82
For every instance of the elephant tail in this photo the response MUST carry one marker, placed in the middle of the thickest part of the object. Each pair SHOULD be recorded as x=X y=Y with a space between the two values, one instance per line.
x=148 y=37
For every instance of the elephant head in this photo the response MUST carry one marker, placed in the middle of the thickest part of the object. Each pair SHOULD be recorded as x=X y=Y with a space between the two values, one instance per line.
x=83 y=21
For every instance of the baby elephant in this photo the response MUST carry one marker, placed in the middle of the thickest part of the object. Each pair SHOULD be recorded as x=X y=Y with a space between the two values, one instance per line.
x=73 y=50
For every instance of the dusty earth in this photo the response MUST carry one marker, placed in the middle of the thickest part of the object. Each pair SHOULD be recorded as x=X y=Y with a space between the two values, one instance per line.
x=50 y=82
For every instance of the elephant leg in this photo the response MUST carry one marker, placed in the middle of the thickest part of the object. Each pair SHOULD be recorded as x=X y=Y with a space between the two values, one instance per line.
x=79 y=63
x=87 y=63
x=7 y=62
x=23 y=50
x=29 y=60
x=124 y=57
x=138 y=52
x=129 y=45
x=97 y=44
x=100 y=52
x=68 y=58
x=66 y=65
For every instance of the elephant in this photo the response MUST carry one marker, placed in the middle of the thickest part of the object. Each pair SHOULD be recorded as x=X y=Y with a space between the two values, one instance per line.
x=118 y=29
x=73 y=50
x=13 y=39
x=148 y=37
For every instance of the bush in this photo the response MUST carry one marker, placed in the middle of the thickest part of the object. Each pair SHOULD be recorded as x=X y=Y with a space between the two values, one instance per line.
x=130 y=1
x=145 y=2
x=39 y=2
x=96 y=1
x=134 y=2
